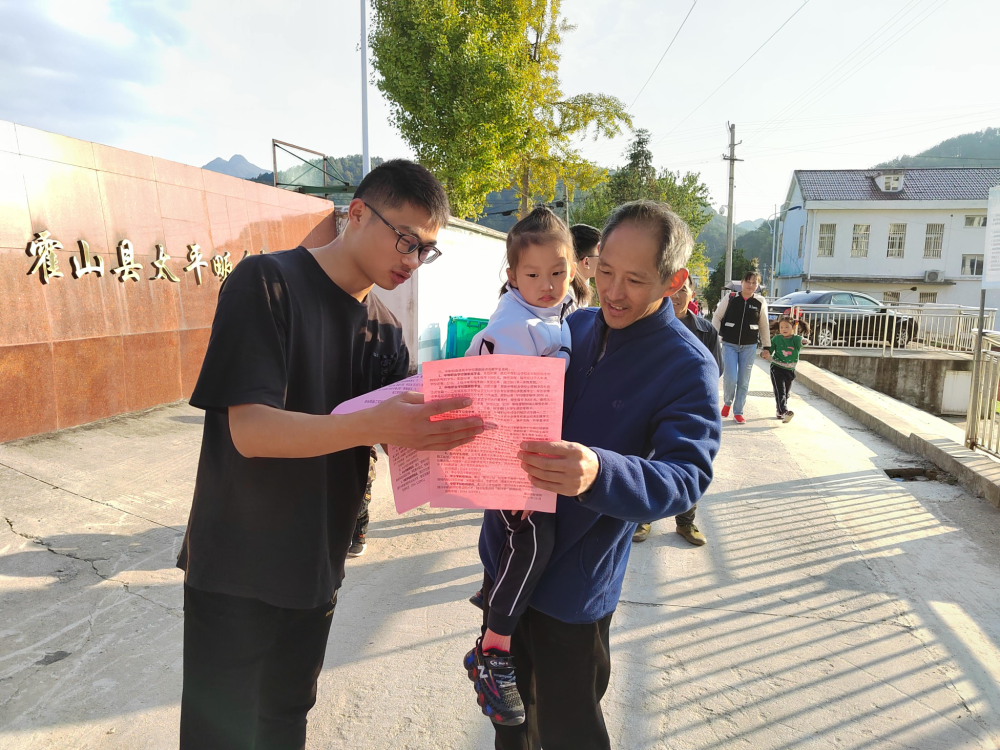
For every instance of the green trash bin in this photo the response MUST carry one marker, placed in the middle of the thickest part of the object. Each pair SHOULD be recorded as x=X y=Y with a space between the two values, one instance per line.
x=461 y=331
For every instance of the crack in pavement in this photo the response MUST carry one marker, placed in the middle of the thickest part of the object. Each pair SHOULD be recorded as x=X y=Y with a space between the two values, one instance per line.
x=893 y=623
x=84 y=497
x=124 y=584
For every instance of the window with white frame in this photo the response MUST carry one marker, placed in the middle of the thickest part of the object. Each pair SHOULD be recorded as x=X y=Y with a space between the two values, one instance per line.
x=827 y=236
x=859 y=241
x=972 y=265
x=890 y=183
x=897 y=241
x=890 y=297
x=928 y=297
x=933 y=240
x=802 y=236
x=975 y=221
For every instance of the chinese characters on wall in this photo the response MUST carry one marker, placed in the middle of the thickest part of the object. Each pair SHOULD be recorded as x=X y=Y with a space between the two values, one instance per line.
x=46 y=263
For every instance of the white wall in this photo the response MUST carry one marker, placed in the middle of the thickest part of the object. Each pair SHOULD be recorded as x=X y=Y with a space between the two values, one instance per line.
x=465 y=281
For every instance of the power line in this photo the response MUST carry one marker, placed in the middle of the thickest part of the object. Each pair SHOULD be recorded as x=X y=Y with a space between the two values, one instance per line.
x=804 y=4
x=662 y=56
x=851 y=72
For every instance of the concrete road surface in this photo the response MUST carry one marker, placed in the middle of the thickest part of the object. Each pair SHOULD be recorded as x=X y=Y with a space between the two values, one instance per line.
x=832 y=608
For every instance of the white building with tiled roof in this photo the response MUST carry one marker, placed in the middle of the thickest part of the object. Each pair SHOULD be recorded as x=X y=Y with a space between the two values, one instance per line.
x=899 y=235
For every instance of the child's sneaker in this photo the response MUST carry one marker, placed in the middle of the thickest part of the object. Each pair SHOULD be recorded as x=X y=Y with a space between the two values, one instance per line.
x=725 y=410
x=788 y=417
x=739 y=419
x=492 y=674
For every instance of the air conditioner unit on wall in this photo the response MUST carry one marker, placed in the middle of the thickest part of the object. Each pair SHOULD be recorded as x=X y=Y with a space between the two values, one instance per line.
x=933 y=277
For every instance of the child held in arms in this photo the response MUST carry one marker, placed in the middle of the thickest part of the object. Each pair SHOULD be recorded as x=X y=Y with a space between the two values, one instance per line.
x=529 y=320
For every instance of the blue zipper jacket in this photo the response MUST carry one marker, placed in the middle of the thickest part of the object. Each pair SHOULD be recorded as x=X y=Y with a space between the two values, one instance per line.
x=649 y=410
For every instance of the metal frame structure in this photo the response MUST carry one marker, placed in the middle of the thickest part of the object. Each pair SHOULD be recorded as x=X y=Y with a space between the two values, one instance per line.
x=326 y=189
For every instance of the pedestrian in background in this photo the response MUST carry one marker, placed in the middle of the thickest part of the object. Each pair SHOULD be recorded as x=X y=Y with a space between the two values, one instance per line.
x=786 y=343
x=586 y=241
x=741 y=320
x=707 y=335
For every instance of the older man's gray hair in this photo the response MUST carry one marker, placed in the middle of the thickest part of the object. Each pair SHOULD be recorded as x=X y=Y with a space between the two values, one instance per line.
x=673 y=235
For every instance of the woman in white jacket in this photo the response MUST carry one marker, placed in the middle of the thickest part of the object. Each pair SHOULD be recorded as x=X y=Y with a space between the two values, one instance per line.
x=529 y=320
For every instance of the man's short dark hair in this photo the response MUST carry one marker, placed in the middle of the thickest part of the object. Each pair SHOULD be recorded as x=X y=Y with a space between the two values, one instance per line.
x=585 y=239
x=674 y=237
x=400 y=181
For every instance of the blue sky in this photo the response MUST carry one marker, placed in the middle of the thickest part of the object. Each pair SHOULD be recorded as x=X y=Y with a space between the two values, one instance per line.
x=194 y=80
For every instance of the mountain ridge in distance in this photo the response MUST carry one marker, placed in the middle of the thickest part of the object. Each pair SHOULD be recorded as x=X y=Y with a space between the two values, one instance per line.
x=237 y=166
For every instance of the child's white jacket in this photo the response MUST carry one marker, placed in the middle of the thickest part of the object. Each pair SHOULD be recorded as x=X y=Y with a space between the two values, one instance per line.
x=519 y=328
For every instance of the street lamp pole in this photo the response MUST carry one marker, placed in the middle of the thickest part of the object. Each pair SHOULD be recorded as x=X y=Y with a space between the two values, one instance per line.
x=365 y=161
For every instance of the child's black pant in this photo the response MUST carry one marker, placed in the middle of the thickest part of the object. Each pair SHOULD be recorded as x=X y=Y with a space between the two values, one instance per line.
x=781 y=381
x=521 y=564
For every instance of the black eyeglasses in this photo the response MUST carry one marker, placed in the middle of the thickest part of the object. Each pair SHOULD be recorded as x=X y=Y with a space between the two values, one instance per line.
x=407 y=244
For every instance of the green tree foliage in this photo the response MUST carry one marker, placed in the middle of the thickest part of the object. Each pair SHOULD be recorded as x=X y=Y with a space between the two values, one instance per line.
x=457 y=74
x=756 y=244
x=555 y=122
x=639 y=179
x=741 y=266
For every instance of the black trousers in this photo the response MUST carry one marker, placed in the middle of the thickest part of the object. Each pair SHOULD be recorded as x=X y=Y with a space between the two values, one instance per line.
x=562 y=675
x=523 y=559
x=250 y=671
x=781 y=381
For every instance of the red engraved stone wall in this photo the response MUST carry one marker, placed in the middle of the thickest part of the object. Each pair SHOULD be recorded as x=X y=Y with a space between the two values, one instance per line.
x=74 y=350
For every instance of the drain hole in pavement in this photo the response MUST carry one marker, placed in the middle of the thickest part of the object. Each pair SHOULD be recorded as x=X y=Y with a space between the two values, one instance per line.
x=912 y=474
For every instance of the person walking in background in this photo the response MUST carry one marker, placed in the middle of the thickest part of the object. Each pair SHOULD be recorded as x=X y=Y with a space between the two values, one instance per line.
x=741 y=319
x=707 y=335
x=358 y=543
x=586 y=241
x=786 y=343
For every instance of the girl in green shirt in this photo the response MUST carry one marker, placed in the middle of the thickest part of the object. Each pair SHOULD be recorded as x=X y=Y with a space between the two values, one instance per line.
x=786 y=343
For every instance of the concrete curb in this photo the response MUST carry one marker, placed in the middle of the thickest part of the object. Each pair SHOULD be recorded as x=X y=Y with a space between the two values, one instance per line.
x=977 y=472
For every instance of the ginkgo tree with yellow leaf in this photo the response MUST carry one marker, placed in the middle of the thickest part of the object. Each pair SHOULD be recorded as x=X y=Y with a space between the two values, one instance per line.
x=473 y=86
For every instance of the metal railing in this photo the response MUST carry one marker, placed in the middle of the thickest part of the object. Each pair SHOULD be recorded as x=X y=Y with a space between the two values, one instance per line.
x=982 y=430
x=891 y=328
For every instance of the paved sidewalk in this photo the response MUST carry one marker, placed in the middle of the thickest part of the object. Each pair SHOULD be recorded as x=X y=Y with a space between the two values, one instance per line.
x=832 y=608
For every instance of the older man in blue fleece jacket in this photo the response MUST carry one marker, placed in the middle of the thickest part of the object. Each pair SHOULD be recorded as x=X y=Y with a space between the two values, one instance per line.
x=641 y=426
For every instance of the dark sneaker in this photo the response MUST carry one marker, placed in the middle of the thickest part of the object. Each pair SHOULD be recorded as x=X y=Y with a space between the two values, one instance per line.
x=492 y=674
x=477 y=599
x=358 y=546
x=641 y=533
x=691 y=533
x=788 y=417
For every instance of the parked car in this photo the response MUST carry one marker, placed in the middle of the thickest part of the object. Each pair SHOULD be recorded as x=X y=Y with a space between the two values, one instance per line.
x=847 y=318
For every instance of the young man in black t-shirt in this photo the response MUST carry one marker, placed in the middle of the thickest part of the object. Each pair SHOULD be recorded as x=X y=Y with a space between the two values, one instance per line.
x=280 y=481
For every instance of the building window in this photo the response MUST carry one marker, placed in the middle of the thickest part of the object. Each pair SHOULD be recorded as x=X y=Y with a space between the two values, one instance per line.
x=802 y=236
x=859 y=242
x=890 y=183
x=975 y=221
x=972 y=265
x=926 y=297
x=890 y=297
x=933 y=240
x=897 y=240
x=827 y=235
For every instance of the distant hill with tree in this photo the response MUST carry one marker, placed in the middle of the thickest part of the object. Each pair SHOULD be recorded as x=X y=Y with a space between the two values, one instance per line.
x=980 y=149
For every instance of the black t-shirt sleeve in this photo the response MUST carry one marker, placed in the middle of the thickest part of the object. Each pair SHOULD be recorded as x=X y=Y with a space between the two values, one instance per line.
x=245 y=362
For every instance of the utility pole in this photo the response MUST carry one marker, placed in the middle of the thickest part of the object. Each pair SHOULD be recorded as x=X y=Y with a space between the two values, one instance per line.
x=365 y=161
x=566 y=200
x=731 y=158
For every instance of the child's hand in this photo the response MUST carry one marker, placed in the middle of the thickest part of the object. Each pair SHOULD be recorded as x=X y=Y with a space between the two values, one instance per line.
x=526 y=513
x=765 y=354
